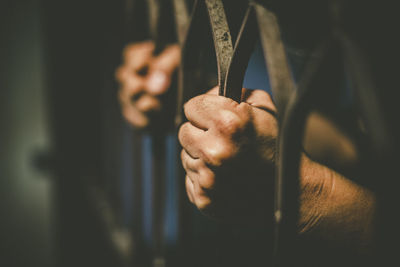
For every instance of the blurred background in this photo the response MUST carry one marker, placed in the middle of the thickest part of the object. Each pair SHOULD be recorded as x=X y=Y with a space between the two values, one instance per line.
x=56 y=72
x=26 y=221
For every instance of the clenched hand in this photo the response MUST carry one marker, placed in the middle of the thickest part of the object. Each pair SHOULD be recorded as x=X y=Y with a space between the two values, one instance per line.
x=228 y=154
x=144 y=78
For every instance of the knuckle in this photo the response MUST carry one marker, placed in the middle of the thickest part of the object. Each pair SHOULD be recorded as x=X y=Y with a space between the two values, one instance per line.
x=219 y=153
x=201 y=199
x=207 y=180
x=189 y=189
x=188 y=106
x=203 y=203
x=182 y=134
x=229 y=122
x=184 y=160
x=148 y=103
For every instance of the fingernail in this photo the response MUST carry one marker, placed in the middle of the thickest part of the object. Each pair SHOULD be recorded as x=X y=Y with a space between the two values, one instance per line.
x=157 y=82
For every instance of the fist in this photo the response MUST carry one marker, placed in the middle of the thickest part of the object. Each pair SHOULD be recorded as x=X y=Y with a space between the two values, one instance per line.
x=228 y=155
x=144 y=80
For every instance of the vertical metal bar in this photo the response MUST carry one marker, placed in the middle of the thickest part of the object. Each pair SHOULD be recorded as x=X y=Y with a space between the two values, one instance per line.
x=158 y=136
x=316 y=84
x=158 y=195
x=244 y=46
x=159 y=32
x=281 y=80
x=137 y=225
x=181 y=19
x=286 y=180
x=154 y=14
x=222 y=39
x=184 y=220
x=191 y=77
x=382 y=141
x=361 y=80
x=134 y=33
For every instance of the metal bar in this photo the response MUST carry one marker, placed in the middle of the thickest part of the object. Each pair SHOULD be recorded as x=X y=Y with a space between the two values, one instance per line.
x=181 y=19
x=137 y=226
x=382 y=141
x=182 y=22
x=281 y=80
x=289 y=140
x=158 y=196
x=191 y=77
x=316 y=84
x=244 y=46
x=158 y=136
x=134 y=33
x=361 y=80
x=154 y=14
x=222 y=39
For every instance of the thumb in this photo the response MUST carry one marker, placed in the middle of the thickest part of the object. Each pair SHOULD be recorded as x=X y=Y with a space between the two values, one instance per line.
x=161 y=70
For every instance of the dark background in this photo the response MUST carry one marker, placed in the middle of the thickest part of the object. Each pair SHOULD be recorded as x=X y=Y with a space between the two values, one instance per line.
x=56 y=87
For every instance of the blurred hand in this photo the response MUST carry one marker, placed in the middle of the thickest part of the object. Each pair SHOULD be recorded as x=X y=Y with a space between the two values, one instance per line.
x=143 y=79
x=228 y=154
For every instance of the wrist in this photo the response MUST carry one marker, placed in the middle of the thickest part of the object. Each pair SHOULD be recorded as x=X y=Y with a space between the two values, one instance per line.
x=335 y=209
x=316 y=187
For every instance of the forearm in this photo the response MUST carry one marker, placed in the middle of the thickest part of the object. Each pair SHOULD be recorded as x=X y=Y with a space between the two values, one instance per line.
x=334 y=209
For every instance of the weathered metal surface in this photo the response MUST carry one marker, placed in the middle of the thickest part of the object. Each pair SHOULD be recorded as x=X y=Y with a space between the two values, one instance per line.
x=244 y=46
x=222 y=39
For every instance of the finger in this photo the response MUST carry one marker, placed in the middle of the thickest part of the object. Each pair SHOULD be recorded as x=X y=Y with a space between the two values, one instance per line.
x=131 y=86
x=168 y=60
x=206 y=111
x=190 y=164
x=161 y=69
x=212 y=150
x=120 y=73
x=134 y=117
x=196 y=169
x=158 y=82
x=259 y=99
x=191 y=139
x=147 y=103
x=189 y=189
x=213 y=91
x=201 y=199
x=196 y=195
x=138 y=55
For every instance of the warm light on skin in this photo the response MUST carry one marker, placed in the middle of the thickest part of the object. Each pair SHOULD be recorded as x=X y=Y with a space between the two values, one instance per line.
x=235 y=143
x=143 y=78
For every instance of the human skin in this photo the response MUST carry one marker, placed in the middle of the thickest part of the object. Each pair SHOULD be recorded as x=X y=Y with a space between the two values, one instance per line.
x=228 y=154
x=144 y=78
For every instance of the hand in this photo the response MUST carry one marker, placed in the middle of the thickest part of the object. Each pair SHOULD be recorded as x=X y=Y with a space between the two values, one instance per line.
x=144 y=80
x=228 y=154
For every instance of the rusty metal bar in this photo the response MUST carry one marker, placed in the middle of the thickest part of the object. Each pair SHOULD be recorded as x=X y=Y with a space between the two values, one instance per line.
x=222 y=39
x=244 y=46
